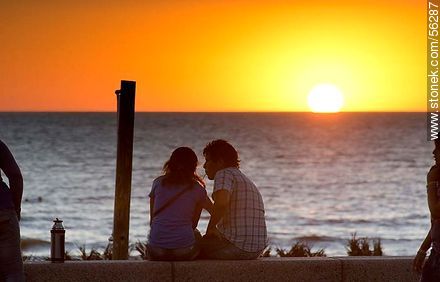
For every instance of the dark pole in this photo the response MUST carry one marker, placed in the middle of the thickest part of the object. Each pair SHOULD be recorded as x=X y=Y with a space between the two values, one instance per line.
x=121 y=218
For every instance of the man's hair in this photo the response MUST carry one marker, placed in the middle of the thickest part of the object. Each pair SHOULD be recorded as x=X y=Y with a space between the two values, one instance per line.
x=221 y=150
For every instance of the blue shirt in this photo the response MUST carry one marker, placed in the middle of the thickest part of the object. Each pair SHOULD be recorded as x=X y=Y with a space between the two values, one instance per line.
x=172 y=227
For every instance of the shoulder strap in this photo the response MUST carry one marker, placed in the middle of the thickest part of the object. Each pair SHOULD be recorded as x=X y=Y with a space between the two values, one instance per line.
x=172 y=200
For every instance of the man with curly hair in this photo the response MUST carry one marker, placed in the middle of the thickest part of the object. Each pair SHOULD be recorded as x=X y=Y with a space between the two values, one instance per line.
x=237 y=228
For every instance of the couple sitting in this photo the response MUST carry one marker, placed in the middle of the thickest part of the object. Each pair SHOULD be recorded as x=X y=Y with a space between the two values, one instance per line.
x=236 y=229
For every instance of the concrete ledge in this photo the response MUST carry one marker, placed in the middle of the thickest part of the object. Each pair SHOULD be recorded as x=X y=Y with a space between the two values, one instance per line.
x=378 y=269
x=266 y=269
x=98 y=271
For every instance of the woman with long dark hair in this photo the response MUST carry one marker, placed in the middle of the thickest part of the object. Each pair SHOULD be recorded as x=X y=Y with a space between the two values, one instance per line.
x=176 y=201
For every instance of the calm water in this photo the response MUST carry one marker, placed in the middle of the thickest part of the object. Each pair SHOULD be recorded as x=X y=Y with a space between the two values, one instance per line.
x=322 y=177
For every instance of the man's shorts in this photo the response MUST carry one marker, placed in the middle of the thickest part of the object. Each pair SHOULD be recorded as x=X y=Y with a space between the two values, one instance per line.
x=213 y=247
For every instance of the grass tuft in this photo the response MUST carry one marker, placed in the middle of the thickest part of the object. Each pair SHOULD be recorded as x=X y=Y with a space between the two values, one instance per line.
x=93 y=255
x=361 y=246
x=142 y=249
x=300 y=249
x=266 y=252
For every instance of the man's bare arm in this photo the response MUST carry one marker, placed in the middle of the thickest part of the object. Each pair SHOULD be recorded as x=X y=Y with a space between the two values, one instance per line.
x=208 y=205
x=221 y=203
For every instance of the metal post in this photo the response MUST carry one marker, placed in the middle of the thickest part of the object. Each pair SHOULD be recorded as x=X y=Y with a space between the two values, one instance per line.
x=121 y=218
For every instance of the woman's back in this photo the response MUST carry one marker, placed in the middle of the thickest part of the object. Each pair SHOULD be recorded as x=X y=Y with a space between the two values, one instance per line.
x=172 y=228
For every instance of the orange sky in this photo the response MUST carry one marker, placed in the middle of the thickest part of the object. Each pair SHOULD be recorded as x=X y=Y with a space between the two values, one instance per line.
x=212 y=55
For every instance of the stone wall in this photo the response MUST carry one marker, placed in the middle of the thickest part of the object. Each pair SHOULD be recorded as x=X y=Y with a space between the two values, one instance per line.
x=265 y=269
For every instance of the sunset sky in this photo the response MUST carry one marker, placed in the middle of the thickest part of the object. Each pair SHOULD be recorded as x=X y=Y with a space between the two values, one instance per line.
x=212 y=55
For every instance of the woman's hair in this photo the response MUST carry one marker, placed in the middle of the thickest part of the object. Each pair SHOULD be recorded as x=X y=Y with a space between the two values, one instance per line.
x=181 y=168
x=221 y=150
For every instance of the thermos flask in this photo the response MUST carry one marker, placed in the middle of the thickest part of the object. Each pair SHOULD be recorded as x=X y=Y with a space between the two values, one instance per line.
x=57 y=241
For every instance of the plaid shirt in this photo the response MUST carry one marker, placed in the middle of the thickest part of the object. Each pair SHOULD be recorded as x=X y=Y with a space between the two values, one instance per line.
x=243 y=223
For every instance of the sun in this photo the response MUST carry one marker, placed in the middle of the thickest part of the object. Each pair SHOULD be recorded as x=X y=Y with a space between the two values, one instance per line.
x=325 y=98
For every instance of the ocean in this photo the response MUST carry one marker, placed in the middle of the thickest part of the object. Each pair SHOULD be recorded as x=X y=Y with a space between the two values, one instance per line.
x=323 y=177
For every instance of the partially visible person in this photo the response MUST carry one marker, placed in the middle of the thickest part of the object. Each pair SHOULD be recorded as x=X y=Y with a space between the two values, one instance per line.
x=237 y=228
x=176 y=201
x=431 y=268
x=11 y=264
